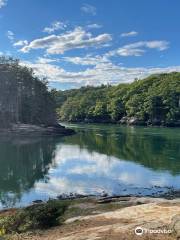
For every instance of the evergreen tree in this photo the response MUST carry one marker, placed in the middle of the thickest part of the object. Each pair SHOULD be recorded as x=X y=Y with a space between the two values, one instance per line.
x=23 y=97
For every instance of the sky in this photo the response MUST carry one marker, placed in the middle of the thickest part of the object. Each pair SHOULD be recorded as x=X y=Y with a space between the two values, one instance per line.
x=75 y=43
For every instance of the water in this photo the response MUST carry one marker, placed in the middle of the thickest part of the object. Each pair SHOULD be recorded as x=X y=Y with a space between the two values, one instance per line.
x=109 y=158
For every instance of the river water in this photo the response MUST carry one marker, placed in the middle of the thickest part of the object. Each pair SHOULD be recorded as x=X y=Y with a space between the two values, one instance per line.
x=117 y=160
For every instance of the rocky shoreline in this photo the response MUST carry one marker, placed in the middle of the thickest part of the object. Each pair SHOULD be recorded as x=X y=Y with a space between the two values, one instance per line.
x=92 y=218
x=34 y=130
x=134 y=121
x=154 y=122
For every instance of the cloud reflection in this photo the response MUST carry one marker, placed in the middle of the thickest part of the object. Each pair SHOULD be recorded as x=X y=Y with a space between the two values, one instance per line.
x=80 y=171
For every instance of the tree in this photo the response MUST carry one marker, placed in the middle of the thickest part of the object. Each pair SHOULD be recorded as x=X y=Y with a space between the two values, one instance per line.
x=153 y=99
x=24 y=98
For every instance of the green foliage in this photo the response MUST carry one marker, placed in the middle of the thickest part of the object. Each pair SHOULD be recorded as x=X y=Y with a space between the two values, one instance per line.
x=23 y=97
x=87 y=103
x=39 y=216
x=154 y=100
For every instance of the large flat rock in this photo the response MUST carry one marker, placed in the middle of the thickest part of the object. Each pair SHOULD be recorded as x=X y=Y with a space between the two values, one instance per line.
x=120 y=224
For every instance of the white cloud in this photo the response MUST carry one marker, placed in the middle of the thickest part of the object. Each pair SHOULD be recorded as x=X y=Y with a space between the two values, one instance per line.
x=159 y=45
x=10 y=35
x=138 y=48
x=55 y=26
x=20 y=43
x=58 y=44
x=87 y=60
x=3 y=3
x=89 y=9
x=129 y=52
x=102 y=71
x=94 y=26
x=43 y=60
x=129 y=34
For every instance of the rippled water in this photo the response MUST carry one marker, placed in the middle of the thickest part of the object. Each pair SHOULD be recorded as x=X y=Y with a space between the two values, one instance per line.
x=109 y=158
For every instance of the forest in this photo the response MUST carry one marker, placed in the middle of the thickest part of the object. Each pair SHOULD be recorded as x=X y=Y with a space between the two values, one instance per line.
x=24 y=98
x=154 y=100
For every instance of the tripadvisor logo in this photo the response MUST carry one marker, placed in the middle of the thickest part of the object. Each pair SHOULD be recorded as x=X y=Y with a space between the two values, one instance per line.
x=140 y=231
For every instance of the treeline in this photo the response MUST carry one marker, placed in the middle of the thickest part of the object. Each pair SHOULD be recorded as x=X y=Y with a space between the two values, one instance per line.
x=23 y=97
x=152 y=101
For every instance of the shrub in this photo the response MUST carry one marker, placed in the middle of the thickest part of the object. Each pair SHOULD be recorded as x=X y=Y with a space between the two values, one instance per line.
x=38 y=216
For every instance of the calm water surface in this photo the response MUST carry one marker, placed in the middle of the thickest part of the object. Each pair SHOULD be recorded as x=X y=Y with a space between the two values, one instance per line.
x=109 y=158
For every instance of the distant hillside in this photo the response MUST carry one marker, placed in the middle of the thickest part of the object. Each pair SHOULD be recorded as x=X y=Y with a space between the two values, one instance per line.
x=23 y=97
x=152 y=101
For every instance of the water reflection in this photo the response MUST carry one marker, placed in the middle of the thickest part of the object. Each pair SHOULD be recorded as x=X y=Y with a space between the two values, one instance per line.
x=87 y=172
x=23 y=162
x=118 y=160
x=155 y=148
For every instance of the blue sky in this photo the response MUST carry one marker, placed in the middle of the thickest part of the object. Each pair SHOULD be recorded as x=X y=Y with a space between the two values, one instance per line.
x=77 y=42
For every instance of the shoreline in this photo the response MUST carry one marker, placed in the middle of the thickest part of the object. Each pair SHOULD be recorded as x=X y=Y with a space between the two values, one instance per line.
x=77 y=217
x=124 y=124
x=35 y=130
x=170 y=194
